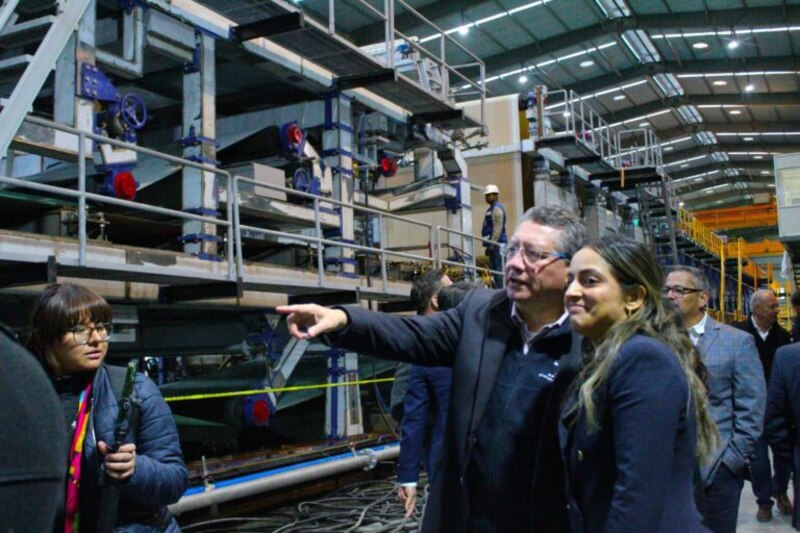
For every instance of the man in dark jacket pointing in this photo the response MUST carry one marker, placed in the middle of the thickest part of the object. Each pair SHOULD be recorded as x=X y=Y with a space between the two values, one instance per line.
x=513 y=357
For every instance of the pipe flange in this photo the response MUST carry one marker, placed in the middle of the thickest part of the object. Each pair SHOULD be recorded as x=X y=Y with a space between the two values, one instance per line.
x=373 y=458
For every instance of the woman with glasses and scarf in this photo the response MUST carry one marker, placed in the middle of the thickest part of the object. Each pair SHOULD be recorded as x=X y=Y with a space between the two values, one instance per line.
x=69 y=333
x=637 y=422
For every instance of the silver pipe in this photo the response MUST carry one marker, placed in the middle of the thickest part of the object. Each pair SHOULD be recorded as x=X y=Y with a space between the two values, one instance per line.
x=230 y=230
x=318 y=231
x=216 y=496
x=82 y=200
x=237 y=222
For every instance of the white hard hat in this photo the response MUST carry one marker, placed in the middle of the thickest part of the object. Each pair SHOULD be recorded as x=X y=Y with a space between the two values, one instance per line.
x=491 y=189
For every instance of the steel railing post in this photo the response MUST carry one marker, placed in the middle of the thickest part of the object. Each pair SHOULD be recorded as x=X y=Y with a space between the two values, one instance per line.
x=82 y=200
x=318 y=232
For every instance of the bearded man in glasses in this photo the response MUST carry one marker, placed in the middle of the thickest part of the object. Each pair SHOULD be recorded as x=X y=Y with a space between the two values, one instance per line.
x=513 y=357
x=736 y=394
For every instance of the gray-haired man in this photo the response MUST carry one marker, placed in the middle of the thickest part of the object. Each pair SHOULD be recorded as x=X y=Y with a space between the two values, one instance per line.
x=736 y=391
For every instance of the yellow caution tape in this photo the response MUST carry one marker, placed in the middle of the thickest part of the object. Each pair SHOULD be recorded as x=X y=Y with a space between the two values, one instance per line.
x=277 y=389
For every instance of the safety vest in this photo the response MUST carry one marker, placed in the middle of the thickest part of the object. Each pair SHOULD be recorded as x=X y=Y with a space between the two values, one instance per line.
x=488 y=223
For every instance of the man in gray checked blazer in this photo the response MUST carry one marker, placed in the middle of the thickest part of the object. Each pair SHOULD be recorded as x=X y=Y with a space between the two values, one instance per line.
x=737 y=394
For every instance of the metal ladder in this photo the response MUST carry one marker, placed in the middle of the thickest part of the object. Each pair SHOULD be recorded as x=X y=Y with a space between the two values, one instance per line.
x=53 y=33
x=657 y=222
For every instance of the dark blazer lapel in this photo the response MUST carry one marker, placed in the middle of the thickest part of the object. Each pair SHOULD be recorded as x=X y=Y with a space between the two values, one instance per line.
x=498 y=331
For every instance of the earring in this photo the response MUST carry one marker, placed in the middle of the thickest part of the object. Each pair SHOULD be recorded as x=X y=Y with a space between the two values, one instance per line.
x=628 y=312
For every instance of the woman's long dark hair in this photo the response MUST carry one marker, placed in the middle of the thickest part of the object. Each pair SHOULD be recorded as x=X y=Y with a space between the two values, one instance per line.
x=59 y=308
x=633 y=265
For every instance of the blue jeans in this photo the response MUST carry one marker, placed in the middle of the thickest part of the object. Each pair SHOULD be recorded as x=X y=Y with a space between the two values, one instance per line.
x=766 y=481
x=495 y=263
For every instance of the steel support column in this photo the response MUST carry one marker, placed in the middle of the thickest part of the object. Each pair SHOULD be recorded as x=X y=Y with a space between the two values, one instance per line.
x=199 y=190
x=337 y=142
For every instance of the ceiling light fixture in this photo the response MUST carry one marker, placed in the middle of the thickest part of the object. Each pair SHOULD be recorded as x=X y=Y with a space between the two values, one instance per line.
x=685 y=165
x=733 y=44
x=758 y=157
x=523 y=79
x=567 y=113
x=668 y=148
x=586 y=64
x=734 y=112
x=700 y=46
x=463 y=30
x=766 y=172
x=750 y=87
x=620 y=97
x=720 y=83
x=747 y=139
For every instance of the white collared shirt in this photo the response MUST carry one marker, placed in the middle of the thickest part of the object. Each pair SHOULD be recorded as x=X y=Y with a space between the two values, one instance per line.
x=762 y=334
x=696 y=331
x=528 y=336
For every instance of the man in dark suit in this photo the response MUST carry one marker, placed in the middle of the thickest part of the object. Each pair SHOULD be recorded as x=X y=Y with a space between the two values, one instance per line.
x=782 y=421
x=769 y=336
x=423 y=297
x=426 y=405
x=513 y=357
x=736 y=393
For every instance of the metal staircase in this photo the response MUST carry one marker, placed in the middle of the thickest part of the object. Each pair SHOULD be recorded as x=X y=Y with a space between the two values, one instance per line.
x=53 y=33
x=657 y=221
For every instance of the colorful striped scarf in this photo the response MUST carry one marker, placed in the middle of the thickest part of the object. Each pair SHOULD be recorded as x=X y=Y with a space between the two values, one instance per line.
x=71 y=514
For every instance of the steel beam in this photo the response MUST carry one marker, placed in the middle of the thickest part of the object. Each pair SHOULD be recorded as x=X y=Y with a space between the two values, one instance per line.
x=718 y=179
x=34 y=77
x=405 y=22
x=744 y=99
x=199 y=189
x=711 y=148
x=742 y=165
x=697 y=66
x=730 y=127
x=710 y=199
x=674 y=21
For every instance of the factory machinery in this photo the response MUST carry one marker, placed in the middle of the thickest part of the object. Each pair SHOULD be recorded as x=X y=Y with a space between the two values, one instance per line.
x=625 y=189
x=198 y=167
x=198 y=170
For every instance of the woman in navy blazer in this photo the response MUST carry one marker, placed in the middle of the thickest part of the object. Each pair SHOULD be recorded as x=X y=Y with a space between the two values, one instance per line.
x=636 y=423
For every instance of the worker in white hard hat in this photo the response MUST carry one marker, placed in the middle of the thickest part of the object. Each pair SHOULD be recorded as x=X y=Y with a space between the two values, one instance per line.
x=494 y=229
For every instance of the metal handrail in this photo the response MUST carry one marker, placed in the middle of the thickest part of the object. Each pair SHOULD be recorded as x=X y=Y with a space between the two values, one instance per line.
x=232 y=223
x=82 y=195
x=387 y=16
x=580 y=119
x=318 y=239
x=474 y=266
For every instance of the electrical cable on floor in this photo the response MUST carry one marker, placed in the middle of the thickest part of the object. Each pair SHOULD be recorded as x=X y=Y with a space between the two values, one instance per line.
x=370 y=506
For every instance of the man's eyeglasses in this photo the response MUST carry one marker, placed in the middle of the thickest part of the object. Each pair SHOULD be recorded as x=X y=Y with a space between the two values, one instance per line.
x=533 y=256
x=678 y=290
x=82 y=334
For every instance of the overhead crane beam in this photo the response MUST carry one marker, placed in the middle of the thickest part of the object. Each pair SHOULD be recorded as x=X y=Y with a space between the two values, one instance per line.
x=767 y=247
x=724 y=218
